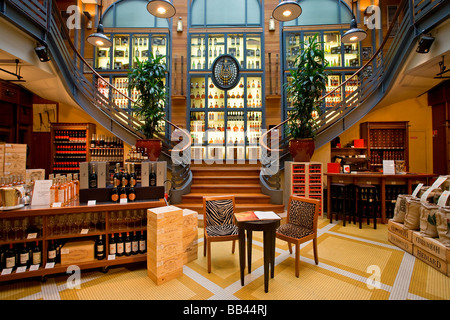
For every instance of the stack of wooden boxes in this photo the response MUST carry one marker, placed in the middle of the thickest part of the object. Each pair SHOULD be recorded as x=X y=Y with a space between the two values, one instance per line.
x=13 y=159
x=171 y=242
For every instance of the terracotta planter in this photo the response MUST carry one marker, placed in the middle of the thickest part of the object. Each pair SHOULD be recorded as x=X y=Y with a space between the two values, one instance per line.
x=301 y=149
x=153 y=147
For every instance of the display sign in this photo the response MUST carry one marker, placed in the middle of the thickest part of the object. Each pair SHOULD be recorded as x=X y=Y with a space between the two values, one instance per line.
x=225 y=72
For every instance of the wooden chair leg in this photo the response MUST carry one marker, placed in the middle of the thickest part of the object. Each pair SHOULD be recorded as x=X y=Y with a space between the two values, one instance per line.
x=316 y=255
x=290 y=247
x=234 y=246
x=297 y=260
x=209 y=256
x=204 y=246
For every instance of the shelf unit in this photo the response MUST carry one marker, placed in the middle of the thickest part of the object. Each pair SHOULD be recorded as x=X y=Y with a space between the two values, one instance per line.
x=70 y=146
x=355 y=157
x=304 y=179
x=106 y=226
x=385 y=140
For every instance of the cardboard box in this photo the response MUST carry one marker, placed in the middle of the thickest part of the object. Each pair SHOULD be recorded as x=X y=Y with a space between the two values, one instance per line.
x=161 y=172
x=333 y=167
x=164 y=243
x=78 y=251
x=35 y=174
x=84 y=175
x=398 y=229
x=190 y=235
x=400 y=242
x=358 y=143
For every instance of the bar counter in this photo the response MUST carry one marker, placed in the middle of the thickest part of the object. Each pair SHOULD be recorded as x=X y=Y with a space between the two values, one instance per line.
x=380 y=179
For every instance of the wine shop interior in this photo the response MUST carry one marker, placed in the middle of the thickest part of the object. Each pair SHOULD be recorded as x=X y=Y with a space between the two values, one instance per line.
x=224 y=150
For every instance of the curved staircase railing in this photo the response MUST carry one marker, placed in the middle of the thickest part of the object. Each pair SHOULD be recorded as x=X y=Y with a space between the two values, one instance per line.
x=352 y=107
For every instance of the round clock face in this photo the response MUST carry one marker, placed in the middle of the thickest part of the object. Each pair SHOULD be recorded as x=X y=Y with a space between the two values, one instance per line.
x=225 y=72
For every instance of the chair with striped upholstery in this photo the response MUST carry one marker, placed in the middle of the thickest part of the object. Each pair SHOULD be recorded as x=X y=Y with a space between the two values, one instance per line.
x=218 y=217
x=301 y=226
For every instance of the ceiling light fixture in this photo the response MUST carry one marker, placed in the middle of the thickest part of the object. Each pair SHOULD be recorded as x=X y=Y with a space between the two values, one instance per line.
x=161 y=8
x=287 y=11
x=355 y=34
x=99 y=39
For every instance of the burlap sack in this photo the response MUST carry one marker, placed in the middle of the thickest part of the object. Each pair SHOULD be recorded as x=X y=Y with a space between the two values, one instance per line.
x=412 y=214
x=443 y=225
x=400 y=208
x=428 y=220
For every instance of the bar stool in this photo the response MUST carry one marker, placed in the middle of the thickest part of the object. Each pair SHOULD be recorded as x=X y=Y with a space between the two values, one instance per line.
x=367 y=204
x=338 y=201
x=350 y=202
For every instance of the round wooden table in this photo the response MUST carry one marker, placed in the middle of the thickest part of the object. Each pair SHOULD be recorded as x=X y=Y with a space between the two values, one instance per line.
x=268 y=227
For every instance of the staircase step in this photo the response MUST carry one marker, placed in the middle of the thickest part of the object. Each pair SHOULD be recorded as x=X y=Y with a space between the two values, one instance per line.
x=225 y=171
x=225 y=179
x=240 y=198
x=223 y=188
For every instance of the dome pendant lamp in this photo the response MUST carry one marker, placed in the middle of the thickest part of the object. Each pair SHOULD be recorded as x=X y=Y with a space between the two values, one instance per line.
x=287 y=11
x=99 y=39
x=161 y=8
x=355 y=34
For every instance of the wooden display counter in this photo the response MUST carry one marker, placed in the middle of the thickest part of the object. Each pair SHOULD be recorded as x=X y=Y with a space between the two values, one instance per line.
x=381 y=180
x=103 y=220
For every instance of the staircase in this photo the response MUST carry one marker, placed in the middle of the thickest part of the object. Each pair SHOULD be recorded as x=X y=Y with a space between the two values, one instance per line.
x=242 y=181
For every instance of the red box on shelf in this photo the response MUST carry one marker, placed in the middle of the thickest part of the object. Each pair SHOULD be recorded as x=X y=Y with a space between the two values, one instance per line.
x=358 y=143
x=333 y=167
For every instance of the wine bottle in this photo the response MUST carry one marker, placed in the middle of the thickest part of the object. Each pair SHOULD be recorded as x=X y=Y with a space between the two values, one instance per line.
x=100 y=248
x=115 y=194
x=133 y=174
x=152 y=176
x=117 y=175
x=127 y=245
x=37 y=255
x=24 y=256
x=51 y=254
x=93 y=178
x=119 y=243
x=131 y=191
x=123 y=190
x=126 y=175
x=10 y=261
x=112 y=245
x=134 y=244
x=142 y=243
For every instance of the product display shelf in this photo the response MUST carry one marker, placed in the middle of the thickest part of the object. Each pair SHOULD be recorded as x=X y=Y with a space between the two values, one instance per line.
x=386 y=140
x=304 y=179
x=70 y=146
x=74 y=208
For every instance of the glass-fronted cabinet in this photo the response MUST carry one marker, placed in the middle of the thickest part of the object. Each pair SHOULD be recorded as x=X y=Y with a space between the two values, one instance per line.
x=333 y=82
x=333 y=48
x=253 y=46
x=235 y=43
x=127 y=47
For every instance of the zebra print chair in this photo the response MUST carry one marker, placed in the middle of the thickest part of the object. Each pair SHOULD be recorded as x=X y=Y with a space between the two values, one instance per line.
x=301 y=226
x=219 y=225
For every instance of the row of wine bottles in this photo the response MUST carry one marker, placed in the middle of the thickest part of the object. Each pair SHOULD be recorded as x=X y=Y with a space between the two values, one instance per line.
x=30 y=253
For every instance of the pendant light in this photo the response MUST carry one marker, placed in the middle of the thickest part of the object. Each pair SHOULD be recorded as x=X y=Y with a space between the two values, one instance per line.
x=99 y=39
x=355 y=34
x=161 y=8
x=287 y=11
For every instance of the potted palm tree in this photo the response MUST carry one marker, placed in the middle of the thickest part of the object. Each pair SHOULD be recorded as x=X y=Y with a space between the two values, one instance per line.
x=304 y=88
x=147 y=77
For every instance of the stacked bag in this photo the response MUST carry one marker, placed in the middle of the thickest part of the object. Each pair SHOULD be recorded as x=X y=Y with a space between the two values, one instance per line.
x=427 y=210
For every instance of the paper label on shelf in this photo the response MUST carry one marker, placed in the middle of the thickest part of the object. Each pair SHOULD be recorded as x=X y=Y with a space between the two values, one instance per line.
x=443 y=198
x=32 y=236
x=84 y=231
x=6 y=271
x=123 y=201
x=417 y=189
x=34 y=267
x=57 y=205
x=21 y=269
x=388 y=167
x=49 y=265
x=92 y=202
x=111 y=257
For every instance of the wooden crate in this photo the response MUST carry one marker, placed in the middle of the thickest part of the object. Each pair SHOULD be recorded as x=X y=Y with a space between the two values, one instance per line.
x=432 y=252
x=432 y=260
x=400 y=242
x=74 y=252
x=164 y=243
x=15 y=159
x=398 y=229
x=190 y=235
